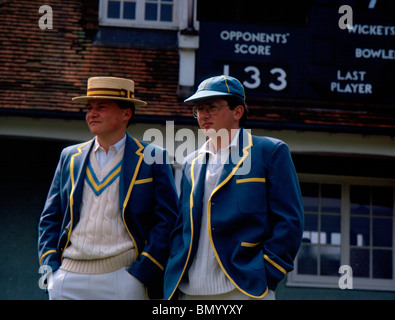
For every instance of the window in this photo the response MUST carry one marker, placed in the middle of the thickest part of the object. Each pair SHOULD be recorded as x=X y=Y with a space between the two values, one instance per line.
x=159 y=10
x=348 y=221
x=371 y=231
x=156 y=14
x=320 y=251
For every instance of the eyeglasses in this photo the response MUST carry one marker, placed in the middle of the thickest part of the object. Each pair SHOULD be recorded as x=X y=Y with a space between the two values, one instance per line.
x=211 y=109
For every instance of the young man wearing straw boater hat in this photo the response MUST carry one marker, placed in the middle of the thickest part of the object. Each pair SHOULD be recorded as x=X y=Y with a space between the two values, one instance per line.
x=106 y=222
x=240 y=211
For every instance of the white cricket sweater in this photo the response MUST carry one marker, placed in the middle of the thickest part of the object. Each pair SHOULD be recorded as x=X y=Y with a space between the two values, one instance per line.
x=100 y=242
x=205 y=276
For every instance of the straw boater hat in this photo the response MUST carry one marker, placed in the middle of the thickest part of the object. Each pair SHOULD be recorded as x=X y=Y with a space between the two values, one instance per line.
x=110 y=88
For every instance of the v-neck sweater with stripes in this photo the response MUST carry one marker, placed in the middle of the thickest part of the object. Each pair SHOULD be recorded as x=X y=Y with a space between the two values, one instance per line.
x=100 y=242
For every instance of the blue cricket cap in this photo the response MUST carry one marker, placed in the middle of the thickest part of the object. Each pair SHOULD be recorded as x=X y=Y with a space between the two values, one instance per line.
x=217 y=87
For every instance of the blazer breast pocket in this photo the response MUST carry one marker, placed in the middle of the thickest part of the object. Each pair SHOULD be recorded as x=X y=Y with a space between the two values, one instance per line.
x=143 y=195
x=251 y=194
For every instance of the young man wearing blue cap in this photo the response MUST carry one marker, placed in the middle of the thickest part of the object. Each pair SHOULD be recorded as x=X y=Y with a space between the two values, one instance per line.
x=240 y=217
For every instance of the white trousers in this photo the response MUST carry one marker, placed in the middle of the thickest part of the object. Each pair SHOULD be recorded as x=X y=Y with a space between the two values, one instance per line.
x=116 y=285
x=232 y=295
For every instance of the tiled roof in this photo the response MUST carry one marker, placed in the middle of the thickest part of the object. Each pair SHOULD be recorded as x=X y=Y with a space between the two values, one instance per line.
x=44 y=69
x=41 y=70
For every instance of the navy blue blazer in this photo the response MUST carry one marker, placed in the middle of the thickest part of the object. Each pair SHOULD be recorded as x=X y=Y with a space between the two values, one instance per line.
x=148 y=204
x=255 y=216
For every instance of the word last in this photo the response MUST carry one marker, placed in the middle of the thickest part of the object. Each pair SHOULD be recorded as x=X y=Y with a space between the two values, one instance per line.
x=350 y=87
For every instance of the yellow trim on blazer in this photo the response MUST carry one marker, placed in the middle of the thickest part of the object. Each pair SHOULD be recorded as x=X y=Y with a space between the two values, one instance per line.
x=153 y=260
x=275 y=264
x=141 y=181
x=250 y=245
x=191 y=218
x=72 y=192
x=132 y=183
x=46 y=253
x=251 y=180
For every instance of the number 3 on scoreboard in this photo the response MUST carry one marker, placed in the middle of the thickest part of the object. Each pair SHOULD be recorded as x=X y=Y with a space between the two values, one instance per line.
x=281 y=78
x=254 y=76
x=255 y=79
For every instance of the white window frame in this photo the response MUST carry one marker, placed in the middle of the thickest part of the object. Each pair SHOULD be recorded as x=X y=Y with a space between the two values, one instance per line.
x=139 y=22
x=301 y=280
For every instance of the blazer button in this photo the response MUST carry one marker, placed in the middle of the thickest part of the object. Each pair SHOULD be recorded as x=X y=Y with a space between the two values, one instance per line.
x=67 y=230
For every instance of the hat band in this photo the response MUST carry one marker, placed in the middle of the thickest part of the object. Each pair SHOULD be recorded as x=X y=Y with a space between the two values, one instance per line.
x=123 y=93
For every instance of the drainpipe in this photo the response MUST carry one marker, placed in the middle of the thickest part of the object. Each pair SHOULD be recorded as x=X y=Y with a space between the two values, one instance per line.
x=188 y=42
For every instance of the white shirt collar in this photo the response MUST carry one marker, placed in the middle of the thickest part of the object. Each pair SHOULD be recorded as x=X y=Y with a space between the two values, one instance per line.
x=117 y=146
x=208 y=146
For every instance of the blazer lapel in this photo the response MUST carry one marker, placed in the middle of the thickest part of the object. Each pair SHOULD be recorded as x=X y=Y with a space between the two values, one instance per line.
x=198 y=177
x=236 y=159
x=78 y=164
x=132 y=159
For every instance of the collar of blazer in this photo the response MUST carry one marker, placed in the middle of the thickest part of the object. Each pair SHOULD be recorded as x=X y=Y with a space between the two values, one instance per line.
x=198 y=170
x=133 y=157
x=236 y=159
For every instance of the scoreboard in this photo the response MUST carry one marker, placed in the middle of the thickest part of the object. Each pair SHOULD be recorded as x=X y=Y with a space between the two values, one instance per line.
x=317 y=62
